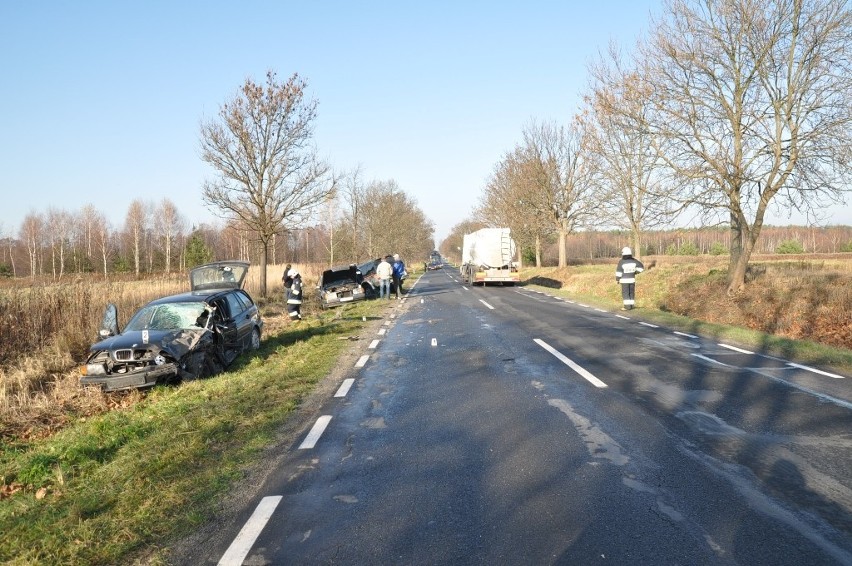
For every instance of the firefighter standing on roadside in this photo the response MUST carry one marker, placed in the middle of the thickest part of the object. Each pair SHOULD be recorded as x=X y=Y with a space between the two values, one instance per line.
x=625 y=273
x=294 y=295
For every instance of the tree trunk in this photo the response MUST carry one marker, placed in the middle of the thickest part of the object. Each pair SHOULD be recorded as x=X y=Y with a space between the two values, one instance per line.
x=736 y=249
x=264 y=253
x=537 y=250
x=563 y=238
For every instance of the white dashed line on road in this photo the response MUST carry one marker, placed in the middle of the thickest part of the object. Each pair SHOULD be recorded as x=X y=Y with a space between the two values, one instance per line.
x=317 y=430
x=241 y=546
x=344 y=387
x=819 y=371
x=685 y=334
x=649 y=324
x=571 y=364
x=711 y=360
x=486 y=304
x=362 y=361
x=373 y=344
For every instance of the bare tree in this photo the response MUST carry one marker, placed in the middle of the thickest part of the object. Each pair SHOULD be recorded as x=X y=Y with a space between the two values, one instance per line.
x=60 y=227
x=561 y=168
x=392 y=222
x=269 y=176
x=633 y=194
x=753 y=103
x=135 y=226
x=168 y=223
x=102 y=233
x=32 y=233
x=510 y=200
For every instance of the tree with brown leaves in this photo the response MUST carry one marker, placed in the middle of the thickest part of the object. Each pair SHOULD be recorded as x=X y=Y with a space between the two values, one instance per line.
x=269 y=176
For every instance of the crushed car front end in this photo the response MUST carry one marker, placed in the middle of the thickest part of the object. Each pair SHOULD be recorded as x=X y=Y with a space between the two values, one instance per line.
x=141 y=359
x=339 y=286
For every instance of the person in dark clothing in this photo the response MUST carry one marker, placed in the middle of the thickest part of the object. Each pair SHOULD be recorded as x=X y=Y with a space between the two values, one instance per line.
x=625 y=273
x=285 y=277
x=294 y=295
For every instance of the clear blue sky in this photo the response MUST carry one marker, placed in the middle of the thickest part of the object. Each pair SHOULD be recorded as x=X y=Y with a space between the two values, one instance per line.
x=101 y=101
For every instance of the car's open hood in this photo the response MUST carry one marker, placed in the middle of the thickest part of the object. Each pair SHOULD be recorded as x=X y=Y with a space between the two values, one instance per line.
x=340 y=275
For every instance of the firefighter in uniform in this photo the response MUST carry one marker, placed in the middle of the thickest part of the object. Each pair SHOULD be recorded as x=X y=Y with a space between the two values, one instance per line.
x=625 y=273
x=294 y=295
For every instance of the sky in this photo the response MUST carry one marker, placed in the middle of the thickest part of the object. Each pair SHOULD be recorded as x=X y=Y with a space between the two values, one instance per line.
x=101 y=101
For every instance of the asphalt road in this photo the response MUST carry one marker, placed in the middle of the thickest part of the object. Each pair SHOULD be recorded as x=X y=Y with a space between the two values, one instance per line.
x=501 y=425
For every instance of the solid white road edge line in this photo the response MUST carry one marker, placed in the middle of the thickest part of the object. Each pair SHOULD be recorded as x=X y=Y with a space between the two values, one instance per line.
x=571 y=364
x=819 y=371
x=362 y=361
x=316 y=431
x=740 y=350
x=486 y=304
x=344 y=387
x=241 y=545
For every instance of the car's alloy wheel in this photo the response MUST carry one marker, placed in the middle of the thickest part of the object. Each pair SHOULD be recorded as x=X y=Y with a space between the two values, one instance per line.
x=255 y=339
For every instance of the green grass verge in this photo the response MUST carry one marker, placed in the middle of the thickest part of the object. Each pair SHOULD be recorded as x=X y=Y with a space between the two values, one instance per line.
x=108 y=488
x=595 y=285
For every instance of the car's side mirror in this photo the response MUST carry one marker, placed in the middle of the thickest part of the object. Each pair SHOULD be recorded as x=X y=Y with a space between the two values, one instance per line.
x=109 y=323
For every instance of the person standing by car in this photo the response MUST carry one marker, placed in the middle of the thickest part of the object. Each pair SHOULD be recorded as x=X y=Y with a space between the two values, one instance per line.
x=625 y=273
x=294 y=295
x=398 y=274
x=385 y=273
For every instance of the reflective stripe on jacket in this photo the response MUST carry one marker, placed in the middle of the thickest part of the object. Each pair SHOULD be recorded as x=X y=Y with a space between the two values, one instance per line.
x=294 y=293
x=627 y=269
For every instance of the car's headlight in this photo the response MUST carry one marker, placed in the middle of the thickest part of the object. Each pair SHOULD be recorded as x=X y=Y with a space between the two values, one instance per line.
x=93 y=369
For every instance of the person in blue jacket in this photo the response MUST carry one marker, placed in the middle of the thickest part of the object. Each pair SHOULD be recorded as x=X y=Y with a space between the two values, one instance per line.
x=399 y=274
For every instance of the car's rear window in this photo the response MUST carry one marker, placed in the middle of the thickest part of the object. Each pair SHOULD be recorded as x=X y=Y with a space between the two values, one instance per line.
x=170 y=316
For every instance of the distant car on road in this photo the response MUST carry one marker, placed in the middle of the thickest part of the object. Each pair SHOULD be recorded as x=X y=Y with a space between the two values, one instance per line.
x=185 y=336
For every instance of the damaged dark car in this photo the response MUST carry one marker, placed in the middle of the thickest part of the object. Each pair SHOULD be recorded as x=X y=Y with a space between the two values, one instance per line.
x=340 y=285
x=181 y=337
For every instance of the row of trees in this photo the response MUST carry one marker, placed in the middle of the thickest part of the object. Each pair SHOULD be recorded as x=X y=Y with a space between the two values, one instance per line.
x=728 y=108
x=153 y=237
x=595 y=245
x=363 y=221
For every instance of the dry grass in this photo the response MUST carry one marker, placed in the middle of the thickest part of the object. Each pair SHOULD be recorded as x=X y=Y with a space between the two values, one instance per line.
x=47 y=328
x=801 y=299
